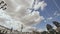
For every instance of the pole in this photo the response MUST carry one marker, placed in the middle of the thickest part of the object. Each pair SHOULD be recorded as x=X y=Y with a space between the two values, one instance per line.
x=21 y=28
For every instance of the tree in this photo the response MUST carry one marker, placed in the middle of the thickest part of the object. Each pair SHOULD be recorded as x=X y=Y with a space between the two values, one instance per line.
x=36 y=32
x=44 y=32
x=50 y=29
x=48 y=26
x=57 y=24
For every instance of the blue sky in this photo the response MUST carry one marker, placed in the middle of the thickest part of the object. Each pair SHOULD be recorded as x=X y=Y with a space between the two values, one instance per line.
x=53 y=7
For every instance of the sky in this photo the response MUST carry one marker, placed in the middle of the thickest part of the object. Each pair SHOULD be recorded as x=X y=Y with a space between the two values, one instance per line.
x=50 y=13
x=33 y=14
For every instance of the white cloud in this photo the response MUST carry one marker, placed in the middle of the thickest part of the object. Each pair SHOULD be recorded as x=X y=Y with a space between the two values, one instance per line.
x=17 y=14
x=22 y=14
x=41 y=5
x=18 y=8
x=45 y=21
x=7 y=21
x=32 y=18
x=49 y=18
x=56 y=14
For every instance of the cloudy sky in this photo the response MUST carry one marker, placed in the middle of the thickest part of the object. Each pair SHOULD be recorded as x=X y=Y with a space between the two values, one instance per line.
x=33 y=14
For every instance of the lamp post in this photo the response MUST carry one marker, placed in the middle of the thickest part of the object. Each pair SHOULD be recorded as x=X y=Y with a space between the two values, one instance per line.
x=21 y=28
